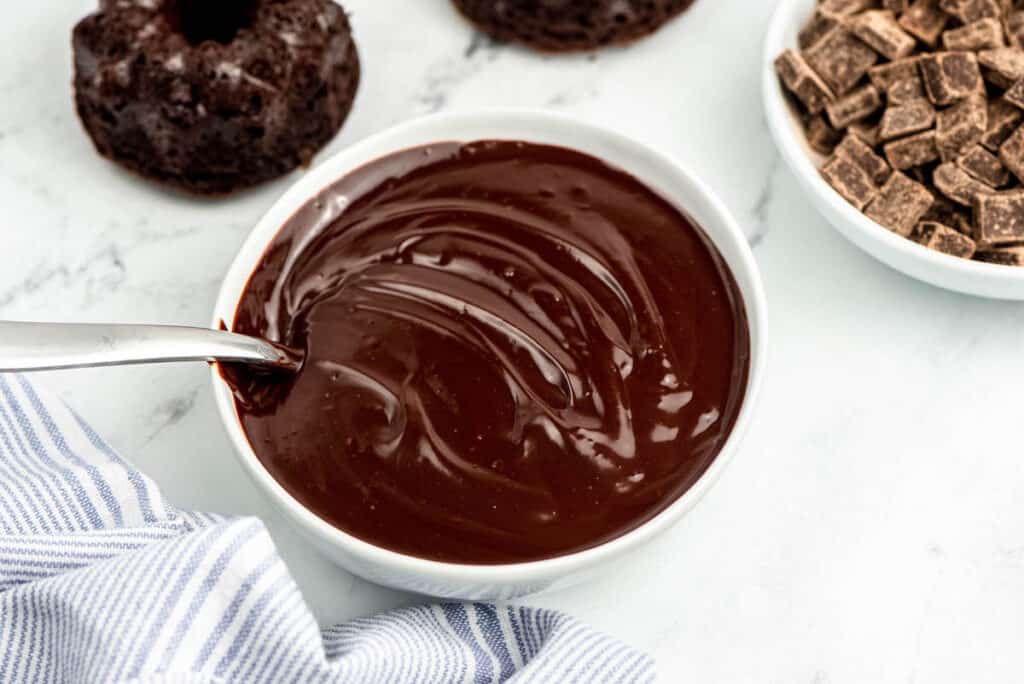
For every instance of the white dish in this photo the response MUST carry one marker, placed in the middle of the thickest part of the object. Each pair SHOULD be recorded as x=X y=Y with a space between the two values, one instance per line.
x=498 y=581
x=951 y=273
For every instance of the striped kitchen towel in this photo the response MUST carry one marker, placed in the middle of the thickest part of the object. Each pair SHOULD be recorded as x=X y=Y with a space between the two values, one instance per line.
x=101 y=580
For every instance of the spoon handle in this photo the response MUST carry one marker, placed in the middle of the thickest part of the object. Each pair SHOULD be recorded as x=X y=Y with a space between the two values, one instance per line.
x=49 y=346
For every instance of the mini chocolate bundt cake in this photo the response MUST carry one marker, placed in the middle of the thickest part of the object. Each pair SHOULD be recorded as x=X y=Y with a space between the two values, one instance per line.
x=211 y=96
x=561 y=25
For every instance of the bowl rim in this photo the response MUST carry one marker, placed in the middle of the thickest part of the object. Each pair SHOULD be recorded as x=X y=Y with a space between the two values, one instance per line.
x=742 y=264
x=787 y=140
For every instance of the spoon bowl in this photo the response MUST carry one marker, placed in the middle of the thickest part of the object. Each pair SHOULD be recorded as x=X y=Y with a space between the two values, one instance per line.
x=26 y=346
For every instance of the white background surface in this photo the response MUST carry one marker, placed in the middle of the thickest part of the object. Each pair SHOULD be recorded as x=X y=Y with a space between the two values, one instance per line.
x=872 y=527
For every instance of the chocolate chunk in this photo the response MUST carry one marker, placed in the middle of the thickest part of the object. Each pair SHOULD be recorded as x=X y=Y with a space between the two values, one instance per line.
x=857 y=151
x=960 y=126
x=923 y=230
x=820 y=23
x=984 y=166
x=968 y=11
x=912 y=151
x=980 y=35
x=900 y=205
x=942 y=238
x=964 y=225
x=884 y=75
x=921 y=174
x=856 y=105
x=947 y=212
x=1005 y=256
x=954 y=183
x=821 y=136
x=1003 y=119
x=1003 y=66
x=841 y=59
x=865 y=131
x=902 y=120
x=1015 y=28
x=1015 y=95
x=1011 y=153
x=950 y=76
x=879 y=29
x=905 y=91
x=846 y=8
x=800 y=79
x=943 y=210
x=999 y=218
x=924 y=20
x=849 y=180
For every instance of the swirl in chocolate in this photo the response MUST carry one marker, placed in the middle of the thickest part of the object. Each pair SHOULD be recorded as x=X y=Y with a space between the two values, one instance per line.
x=512 y=352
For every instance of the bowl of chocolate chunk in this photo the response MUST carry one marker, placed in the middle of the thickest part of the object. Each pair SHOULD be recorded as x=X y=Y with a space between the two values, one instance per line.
x=902 y=120
x=529 y=346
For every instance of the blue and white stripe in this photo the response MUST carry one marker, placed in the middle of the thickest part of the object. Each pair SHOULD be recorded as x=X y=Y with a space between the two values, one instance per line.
x=102 y=581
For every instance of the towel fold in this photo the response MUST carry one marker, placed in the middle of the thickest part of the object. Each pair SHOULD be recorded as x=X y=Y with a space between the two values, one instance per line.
x=101 y=580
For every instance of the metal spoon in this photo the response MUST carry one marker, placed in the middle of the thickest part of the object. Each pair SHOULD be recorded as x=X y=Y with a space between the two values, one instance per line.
x=50 y=346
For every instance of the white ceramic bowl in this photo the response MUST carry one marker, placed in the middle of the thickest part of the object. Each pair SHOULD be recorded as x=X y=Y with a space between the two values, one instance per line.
x=497 y=581
x=970 y=277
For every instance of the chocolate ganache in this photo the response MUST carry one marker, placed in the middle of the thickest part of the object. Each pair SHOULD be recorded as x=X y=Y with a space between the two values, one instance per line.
x=512 y=352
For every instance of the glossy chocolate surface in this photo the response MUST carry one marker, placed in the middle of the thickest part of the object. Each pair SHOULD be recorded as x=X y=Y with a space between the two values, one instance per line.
x=513 y=352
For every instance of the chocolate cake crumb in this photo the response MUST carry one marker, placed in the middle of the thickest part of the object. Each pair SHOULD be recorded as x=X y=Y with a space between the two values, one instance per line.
x=207 y=97
x=562 y=26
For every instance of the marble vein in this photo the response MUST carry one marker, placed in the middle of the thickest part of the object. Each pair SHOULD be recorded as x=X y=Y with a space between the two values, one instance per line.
x=105 y=269
x=171 y=412
x=446 y=74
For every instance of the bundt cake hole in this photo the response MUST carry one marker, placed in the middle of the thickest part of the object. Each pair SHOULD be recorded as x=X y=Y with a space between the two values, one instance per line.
x=201 y=20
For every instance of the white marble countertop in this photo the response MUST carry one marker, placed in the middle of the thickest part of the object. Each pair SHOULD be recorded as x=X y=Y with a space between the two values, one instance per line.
x=872 y=527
